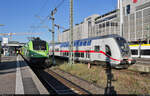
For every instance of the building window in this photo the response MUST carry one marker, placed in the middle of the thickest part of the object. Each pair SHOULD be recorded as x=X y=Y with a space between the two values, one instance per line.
x=107 y=23
x=100 y=26
x=103 y=24
x=128 y=9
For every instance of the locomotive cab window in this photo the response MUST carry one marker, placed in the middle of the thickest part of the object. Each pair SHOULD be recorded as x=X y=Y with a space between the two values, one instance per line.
x=97 y=48
x=39 y=45
x=108 y=51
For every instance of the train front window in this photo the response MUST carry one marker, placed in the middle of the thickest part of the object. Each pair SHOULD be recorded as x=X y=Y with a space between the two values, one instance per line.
x=123 y=45
x=39 y=45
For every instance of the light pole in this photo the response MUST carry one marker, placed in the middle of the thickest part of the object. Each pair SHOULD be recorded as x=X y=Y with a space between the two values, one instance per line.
x=148 y=33
x=53 y=32
x=121 y=17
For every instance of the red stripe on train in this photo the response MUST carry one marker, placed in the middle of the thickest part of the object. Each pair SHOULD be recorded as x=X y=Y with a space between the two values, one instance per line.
x=91 y=51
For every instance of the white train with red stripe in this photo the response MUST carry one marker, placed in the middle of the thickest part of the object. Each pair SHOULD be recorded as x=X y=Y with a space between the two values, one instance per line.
x=99 y=50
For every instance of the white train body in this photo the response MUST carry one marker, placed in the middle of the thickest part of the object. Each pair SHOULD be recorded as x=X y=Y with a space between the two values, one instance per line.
x=142 y=51
x=109 y=48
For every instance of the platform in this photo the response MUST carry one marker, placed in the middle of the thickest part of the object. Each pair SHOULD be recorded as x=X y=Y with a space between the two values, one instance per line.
x=16 y=77
x=142 y=65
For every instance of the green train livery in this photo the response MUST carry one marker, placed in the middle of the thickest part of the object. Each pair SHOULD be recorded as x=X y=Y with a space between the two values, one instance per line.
x=36 y=51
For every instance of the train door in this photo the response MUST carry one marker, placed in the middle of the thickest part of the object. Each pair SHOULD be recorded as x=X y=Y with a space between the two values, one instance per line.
x=111 y=50
x=96 y=47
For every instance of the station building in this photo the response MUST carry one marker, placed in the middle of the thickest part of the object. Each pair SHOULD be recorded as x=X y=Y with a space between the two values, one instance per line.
x=9 y=48
x=136 y=23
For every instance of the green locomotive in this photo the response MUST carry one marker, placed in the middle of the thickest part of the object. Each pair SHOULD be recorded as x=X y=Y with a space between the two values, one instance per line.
x=36 y=51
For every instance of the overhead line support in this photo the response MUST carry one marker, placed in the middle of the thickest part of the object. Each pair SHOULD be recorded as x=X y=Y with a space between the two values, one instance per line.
x=71 y=56
x=53 y=34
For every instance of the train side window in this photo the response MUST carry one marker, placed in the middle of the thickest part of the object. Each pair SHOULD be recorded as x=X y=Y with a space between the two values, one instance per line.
x=84 y=43
x=97 y=48
x=77 y=54
x=134 y=52
x=82 y=54
x=81 y=43
x=108 y=51
x=60 y=53
x=63 y=53
x=75 y=43
x=145 y=52
x=89 y=43
x=67 y=54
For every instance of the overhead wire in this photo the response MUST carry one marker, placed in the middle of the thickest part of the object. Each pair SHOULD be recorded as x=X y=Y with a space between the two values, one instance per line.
x=60 y=4
x=44 y=4
x=42 y=21
x=37 y=14
x=46 y=18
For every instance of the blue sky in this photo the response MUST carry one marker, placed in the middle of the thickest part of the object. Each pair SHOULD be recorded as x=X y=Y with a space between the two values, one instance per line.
x=19 y=15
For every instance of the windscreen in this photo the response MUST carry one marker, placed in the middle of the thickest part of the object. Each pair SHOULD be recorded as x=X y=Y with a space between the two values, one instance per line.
x=125 y=50
x=39 y=45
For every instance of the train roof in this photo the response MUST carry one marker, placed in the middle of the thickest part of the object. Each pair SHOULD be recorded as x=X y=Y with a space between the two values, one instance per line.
x=37 y=40
x=101 y=37
x=88 y=40
x=98 y=37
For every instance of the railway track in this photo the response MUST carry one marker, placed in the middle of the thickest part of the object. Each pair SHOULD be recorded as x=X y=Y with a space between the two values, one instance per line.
x=56 y=84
